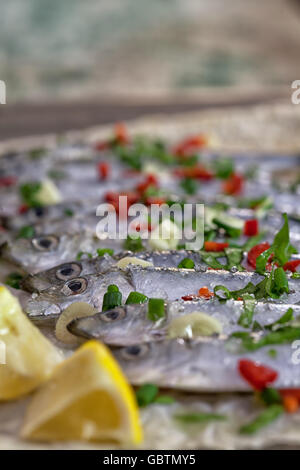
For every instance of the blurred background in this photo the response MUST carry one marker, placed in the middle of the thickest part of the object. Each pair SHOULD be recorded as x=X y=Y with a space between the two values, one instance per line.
x=185 y=53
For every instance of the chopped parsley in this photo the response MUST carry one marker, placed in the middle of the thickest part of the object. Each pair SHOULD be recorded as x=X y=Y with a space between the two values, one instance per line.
x=186 y=263
x=13 y=280
x=156 y=309
x=80 y=254
x=271 y=413
x=28 y=192
x=133 y=244
x=149 y=393
x=26 y=232
x=190 y=418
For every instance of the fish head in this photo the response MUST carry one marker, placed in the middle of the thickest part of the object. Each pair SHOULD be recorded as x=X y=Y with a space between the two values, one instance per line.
x=90 y=289
x=119 y=326
x=44 y=251
x=58 y=275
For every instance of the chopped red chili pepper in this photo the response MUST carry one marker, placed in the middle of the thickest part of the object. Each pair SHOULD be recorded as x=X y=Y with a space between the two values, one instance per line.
x=141 y=227
x=205 y=293
x=258 y=376
x=215 y=246
x=120 y=137
x=196 y=172
x=251 y=227
x=121 y=134
x=154 y=200
x=7 y=181
x=290 y=391
x=113 y=198
x=291 y=399
x=104 y=170
x=151 y=180
x=292 y=265
x=189 y=297
x=234 y=184
x=190 y=145
x=255 y=252
x=290 y=403
x=23 y=208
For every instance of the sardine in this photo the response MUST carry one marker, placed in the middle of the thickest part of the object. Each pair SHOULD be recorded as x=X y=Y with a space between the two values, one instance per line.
x=202 y=365
x=130 y=324
x=168 y=284
x=45 y=251
x=58 y=275
x=45 y=279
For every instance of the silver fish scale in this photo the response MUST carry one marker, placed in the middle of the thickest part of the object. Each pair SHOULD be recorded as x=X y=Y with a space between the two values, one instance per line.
x=201 y=365
x=130 y=324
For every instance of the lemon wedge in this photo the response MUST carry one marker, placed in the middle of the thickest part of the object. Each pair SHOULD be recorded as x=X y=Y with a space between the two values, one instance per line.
x=29 y=356
x=87 y=398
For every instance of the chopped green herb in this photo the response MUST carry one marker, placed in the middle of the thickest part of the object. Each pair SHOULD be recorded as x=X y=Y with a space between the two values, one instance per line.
x=133 y=244
x=136 y=298
x=112 y=298
x=186 y=263
x=295 y=276
x=222 y=293
x=56 y=174
x=266 y=417
x=284 y=335
x=256 y=326
x=146 y=394
x=189 y=185
x=190 y=418
x=262 y=259
x=26 y=232
x=286 y=317
x=164 y=400
x=149 y=393
x=210 y=258
x=231 y=231
x=156 y=309
x=281 y=248
x=102 y=251
x=69 y=212
x=270 y=396
x=28 y=192
x=234 y=257
x=246 y=317
x=13 y=280
x=37 y=153
x=272 y=353
x=80 y=254
x=223 y=167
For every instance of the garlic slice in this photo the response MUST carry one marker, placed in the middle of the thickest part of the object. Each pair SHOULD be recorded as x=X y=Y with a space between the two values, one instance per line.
x=75 y=310
x=194 y=324
x=124 y=262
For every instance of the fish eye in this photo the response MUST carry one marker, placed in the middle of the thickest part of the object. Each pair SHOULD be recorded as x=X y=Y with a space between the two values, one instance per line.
x=39 y=211
x=135 y=352
x=68 y=271
x=45 y=243
x=113 y=315
x=75 y=286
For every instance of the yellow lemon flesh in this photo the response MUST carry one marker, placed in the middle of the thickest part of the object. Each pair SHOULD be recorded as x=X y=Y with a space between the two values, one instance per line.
x=29 y=357
x=87 y=398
